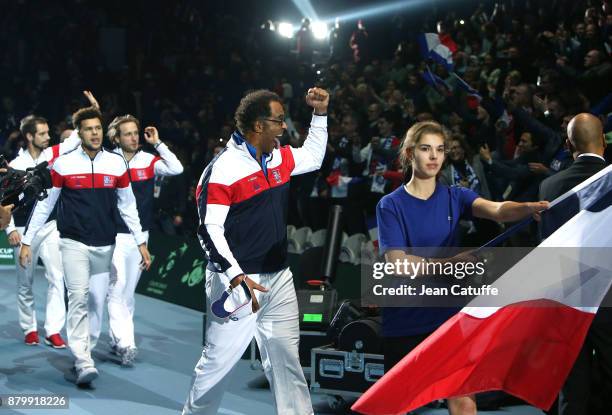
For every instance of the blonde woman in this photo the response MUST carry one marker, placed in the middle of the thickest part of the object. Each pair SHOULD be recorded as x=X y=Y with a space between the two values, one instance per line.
x=426 y=213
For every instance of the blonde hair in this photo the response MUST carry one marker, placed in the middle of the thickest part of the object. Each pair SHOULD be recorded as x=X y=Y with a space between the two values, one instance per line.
x=114 y=130
x=413 y=137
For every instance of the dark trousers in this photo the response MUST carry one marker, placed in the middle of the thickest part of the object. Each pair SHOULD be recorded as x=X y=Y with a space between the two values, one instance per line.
x=588 y=388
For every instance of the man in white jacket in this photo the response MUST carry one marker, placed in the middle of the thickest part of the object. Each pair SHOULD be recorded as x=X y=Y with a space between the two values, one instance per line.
x=90 y=183
x=242 y=202
x=143 y=168
x=35 y=129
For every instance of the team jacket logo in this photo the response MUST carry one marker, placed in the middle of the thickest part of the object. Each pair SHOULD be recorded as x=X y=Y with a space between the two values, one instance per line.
x=108 y=181
x=255 y=184
x=277 y=176
x=141 y=174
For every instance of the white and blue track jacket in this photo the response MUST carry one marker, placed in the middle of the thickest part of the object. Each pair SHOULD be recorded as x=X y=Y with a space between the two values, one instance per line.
x=142 y=169
x=88 y=192
x=243 y=205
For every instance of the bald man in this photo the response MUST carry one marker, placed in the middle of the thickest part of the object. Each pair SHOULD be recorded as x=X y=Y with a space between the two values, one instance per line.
x=586 y=141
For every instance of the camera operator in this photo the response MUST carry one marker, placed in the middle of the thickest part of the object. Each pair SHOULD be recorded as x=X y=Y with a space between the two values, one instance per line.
x=46 y=244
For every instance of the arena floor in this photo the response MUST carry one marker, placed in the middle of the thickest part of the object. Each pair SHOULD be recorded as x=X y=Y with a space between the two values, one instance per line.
x=169 y=338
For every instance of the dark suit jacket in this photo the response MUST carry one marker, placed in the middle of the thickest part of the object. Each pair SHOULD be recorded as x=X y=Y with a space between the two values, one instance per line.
x=556 y=185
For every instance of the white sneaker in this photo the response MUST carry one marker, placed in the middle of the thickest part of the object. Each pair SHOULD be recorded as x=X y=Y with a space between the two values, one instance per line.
x=86 y=375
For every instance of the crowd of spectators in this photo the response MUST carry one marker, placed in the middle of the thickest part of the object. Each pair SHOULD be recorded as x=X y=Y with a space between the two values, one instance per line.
x=184 y=66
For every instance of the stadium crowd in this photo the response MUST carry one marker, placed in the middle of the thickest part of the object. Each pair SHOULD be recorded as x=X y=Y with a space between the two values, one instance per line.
x=530 y=66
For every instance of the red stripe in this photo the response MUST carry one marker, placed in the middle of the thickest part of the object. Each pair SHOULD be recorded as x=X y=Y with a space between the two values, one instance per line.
x=145 y=173
x=288 y=160
x=55 y=153
x=256 y=183
x=123 y=181
x=218 y=194
x=448 y=41
x=526 y=349
x=253 y=184
x=56 y=179
x=249 y=186
x=100 y=181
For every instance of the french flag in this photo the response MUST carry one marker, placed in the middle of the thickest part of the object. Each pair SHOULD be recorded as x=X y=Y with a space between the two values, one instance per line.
x=440 y=48
x=433 y=80
x=528 y=346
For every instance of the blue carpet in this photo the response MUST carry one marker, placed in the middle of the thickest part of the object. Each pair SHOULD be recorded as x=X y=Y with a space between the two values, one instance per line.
x=168 y=337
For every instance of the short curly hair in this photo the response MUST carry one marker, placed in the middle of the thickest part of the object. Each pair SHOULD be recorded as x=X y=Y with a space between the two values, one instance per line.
x=86 y=113
x=254 y=105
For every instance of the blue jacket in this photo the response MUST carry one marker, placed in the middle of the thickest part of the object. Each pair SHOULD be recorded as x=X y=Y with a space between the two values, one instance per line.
x=88 y=192
x=142 y=169
x=243 y=205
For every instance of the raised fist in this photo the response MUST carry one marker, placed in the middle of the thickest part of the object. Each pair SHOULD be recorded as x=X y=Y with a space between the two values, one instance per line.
x=318 y=98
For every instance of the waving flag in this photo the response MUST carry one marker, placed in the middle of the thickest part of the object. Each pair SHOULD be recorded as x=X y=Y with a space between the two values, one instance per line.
x=440 y=48
x=527 y=347
x=472 y=93
x=433 y=79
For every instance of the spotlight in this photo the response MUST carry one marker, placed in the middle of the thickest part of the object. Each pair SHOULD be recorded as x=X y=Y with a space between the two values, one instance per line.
x=319 y=30
x=285 y=29
x=461 y=21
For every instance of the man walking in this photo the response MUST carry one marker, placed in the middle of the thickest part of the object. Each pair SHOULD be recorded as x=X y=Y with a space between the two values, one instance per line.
x=242 y=202
x=35 y=129
x=143 y=168
x=90 y=183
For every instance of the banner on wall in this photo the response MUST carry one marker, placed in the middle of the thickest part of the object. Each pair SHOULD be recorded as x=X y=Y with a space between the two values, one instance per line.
x=6 y=251
x=177 y=271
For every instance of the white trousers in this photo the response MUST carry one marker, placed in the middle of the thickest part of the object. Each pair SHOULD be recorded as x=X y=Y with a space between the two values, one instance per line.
x=118 y=288
x=46 y=245
x=82 y=263
x=276 y=329
x=98 y=292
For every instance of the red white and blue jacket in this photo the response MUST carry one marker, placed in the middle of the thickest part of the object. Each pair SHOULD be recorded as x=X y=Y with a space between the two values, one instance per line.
x=88 y=192
x=142 y=169
x=243 y=204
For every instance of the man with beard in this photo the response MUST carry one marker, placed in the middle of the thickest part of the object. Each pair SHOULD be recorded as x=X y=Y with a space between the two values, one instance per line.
x=36 y=131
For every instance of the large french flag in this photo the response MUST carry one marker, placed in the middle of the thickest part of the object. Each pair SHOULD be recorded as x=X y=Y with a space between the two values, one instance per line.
x=440 y=48
x=527 y=347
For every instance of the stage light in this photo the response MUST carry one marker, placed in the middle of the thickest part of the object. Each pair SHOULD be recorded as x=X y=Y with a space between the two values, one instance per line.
x=461 y=21
x=305 y=7
x=319 y=30
x=285 y=29
x=379 y=10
